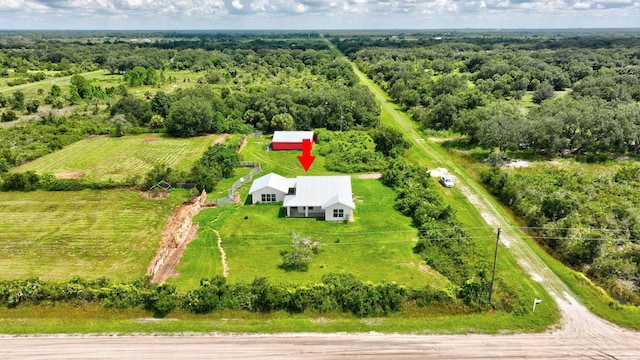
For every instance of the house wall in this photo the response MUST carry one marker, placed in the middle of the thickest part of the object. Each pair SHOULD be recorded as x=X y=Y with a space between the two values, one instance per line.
x=328 y=213
x=256 y=197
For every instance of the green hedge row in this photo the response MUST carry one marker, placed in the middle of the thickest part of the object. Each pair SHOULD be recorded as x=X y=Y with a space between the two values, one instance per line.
x=334 y=293
x=31 y=181
x=442 y=243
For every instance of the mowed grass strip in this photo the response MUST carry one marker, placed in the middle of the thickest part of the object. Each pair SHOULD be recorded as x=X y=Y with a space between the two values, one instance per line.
x=103 y=157
x=283 y=162
x=377 y=246
x=58 y=235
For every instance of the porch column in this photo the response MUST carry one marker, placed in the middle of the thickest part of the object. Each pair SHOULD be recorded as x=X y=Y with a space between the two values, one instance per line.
x=288 y=211
x=306 y=211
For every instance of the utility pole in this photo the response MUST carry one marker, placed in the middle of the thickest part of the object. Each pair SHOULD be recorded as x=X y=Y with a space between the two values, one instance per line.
x=495 y=258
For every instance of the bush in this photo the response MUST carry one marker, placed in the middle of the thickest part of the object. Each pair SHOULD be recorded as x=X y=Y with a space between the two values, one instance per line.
x=299 y=257
x=162 y=301
x=9 y=115
x=26 y=181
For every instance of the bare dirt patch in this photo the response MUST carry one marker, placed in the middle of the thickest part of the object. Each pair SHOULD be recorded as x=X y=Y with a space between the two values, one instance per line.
x=150 y=139
x=438 y=172
x=243 y=142
x=154 y=195
x=178 y=233
x=221 y=139
x=518 y=164
x=440 y=140
x=69 y=175
x=223 y=255
x=375 y=175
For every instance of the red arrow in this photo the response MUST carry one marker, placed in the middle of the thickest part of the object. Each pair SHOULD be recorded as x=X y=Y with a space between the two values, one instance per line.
x=306 y=159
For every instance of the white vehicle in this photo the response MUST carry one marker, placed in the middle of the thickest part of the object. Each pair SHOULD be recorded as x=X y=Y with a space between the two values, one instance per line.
x=446 y=181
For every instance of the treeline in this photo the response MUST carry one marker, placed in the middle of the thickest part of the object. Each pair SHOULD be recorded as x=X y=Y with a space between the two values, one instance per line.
x=586 y=127
x=124 y=51
x=336 y=292
x=443 y=243
x=589 y=220
x=200 y=110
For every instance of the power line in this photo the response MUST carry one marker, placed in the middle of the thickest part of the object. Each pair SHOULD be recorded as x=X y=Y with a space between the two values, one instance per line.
x=571 y=229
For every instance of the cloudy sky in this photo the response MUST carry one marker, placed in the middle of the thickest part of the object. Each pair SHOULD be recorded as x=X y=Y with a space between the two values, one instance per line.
x=316 y=14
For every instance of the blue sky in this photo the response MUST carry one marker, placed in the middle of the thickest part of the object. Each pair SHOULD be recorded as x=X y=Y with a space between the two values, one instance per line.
x=316 y=14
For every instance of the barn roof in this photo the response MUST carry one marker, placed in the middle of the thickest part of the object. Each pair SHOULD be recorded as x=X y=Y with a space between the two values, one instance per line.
x=291 y=136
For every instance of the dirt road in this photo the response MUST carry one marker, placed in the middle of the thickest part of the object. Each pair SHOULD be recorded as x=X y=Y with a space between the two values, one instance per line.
x=625 y=345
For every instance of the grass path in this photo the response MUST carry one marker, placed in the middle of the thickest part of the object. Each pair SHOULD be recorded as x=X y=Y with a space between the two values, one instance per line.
x=225 y=266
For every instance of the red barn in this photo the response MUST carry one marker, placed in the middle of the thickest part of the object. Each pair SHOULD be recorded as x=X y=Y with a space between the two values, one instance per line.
x=290 y=140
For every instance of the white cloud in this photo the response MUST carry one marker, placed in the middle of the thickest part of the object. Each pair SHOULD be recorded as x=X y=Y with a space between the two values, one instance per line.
x=194 y=14
x=237 y=5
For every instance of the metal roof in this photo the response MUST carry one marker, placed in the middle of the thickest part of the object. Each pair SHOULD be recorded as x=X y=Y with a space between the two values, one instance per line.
x=321 y=191
x=291 y=136
x=273 y=181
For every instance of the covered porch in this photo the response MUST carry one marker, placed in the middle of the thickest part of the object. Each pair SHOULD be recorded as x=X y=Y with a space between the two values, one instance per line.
x=305 y=212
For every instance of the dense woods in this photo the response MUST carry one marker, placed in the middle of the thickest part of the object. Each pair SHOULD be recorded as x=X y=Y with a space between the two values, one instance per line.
x=484 y=86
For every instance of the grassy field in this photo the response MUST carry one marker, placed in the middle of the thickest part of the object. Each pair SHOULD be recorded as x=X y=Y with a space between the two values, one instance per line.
x=71 y=319
x=377 y=246
x=58 y=235
x=103 y=157
x=253 y=245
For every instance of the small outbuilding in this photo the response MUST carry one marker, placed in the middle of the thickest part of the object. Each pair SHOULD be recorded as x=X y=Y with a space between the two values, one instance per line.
x=290 y=140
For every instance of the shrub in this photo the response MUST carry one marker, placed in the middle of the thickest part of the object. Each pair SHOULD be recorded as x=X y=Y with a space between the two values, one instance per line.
x=162 y=301
x=8 y=115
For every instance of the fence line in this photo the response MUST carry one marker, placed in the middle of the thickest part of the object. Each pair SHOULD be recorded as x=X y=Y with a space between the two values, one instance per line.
x=230 y=198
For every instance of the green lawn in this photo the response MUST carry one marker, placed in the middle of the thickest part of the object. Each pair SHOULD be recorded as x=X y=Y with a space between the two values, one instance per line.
x=72 y=319
x=377 y=246
x=58 y=235
x=104 y=157
x=284 y=163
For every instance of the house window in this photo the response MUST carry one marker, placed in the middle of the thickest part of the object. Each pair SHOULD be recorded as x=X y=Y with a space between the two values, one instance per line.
x=268 y=197
x=338 y=213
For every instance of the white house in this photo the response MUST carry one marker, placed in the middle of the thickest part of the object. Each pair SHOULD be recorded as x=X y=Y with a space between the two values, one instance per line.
x=328 y=197
x=270 y=188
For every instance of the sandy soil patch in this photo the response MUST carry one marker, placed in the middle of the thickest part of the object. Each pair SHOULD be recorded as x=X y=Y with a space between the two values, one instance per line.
x=150 y=139
x=154 y=195
x=438 y=172
x=221 y=139
x=225 y=266
x=178 y=233
x=440 y=140
x=375 y=175
x=518 y=164
x=69 y=175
